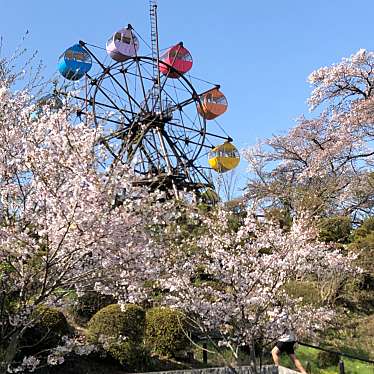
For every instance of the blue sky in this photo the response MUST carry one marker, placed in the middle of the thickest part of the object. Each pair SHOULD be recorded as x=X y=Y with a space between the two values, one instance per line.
x=261 y=52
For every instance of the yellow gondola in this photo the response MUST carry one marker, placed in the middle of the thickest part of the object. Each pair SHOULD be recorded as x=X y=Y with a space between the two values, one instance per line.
x=224 y=157
x=213 y=104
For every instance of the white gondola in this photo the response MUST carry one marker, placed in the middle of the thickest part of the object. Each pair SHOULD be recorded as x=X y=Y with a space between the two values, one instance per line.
x=122 y=45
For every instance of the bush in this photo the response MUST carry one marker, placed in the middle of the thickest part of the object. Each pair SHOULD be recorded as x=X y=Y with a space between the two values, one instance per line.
x=121 y=333
x=307 y=290
x=129 y=354
x=48 y=330
x=366 y=228
x=88 y=304
x=326 y=359
x=335 y=229
x=166 y=331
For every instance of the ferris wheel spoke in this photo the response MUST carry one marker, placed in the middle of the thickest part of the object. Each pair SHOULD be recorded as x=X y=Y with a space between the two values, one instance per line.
x=147 y=156
x=188 y=141
x=176 y=152
x=183 y=160
x=107 y=106
x=127 y=89
x=173 y=124
x=107 y=73
x=142 y=84
x=99 y=88
x=191 y=100
x=150 y=78
x=115 y=95
x=123 y=103
x=124 y=89
x=134 y=141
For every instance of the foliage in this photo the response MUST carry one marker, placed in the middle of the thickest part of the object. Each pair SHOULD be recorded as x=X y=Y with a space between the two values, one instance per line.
x=166 y=331
x=114 y=321
x=61 y=228
x=120 y=331
x=326 y=359
x=307 y=290
x=86 y=305
x=242 y=295
x=129 y=354
x=363 y=243
x=280 y=216
x=353 y=333
x=52 y=319
x=359 y=293
x=310 y=355
x=50 y=325
x=334 y=229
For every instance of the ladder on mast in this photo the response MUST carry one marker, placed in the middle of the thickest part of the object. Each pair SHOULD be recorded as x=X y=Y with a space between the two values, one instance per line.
x=156 y=94
x=156 y=89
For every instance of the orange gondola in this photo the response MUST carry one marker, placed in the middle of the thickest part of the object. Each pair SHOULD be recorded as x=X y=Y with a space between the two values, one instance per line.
x=213 y=104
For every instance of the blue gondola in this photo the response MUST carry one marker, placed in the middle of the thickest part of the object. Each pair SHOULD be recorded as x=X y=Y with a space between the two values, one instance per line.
x=74 y=63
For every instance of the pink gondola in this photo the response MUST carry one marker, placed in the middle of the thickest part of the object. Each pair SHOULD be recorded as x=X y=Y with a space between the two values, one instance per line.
x=180 y=60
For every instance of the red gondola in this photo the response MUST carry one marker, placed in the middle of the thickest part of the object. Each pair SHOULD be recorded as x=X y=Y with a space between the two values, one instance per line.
x=180 y=60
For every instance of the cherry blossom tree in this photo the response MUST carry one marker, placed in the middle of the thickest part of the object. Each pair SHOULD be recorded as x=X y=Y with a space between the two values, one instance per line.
x=323 y=164
x=231 y=279
x=67 y=221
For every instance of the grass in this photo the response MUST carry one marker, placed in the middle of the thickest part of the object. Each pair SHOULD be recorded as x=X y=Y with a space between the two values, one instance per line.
x=306 y=354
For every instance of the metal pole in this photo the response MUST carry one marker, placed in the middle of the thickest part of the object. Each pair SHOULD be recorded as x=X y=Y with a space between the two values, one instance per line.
x=308 y=367
x=168 y=163
x=158 y=58
x=205 y=354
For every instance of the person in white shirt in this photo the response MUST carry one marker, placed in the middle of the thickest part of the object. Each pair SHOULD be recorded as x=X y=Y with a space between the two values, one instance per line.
x=285 y=344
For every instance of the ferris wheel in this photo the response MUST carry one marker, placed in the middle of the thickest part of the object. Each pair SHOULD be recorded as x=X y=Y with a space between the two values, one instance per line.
x=155 y=116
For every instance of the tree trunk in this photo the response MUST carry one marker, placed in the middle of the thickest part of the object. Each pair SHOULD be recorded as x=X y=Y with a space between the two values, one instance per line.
x=10 y=352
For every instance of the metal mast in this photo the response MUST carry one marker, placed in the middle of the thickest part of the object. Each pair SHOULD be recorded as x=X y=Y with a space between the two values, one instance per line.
x=156 y=94
x=156 y=90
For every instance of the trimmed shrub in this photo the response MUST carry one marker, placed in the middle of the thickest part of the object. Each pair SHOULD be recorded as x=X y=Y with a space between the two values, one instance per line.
x=87 y=305
x=48 y=330
x=129 y=354
x=120 y=333
x=166 y=331
x=326 y=359
x=111 y=321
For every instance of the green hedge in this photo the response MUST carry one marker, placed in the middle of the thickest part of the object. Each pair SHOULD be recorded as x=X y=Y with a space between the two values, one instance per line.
x=166 y=331
x=121 y=334
x=50 y=326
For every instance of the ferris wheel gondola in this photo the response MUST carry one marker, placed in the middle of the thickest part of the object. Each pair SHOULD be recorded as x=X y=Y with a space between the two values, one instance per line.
x=122 y=45
x=213 y=104
x=74 y=63
x=176 y=61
